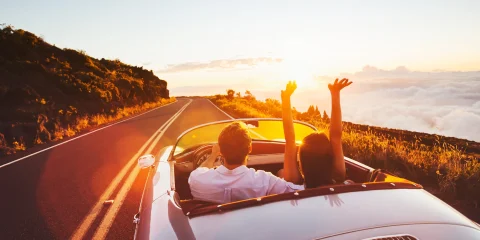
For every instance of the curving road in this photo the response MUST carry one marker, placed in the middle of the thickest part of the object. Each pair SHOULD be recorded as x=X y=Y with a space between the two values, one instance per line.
x=59 y=193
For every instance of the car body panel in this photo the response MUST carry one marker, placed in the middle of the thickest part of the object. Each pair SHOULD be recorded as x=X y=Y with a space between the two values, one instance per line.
x=350 y=215
x=156 y=189
x=324 y=216
x=337 y=214
x=420 y=231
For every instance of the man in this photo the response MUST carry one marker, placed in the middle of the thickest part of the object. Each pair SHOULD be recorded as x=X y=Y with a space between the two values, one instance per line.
x=233 y=180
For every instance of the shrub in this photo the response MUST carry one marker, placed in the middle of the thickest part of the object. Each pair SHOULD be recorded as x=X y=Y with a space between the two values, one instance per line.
x=71 y=89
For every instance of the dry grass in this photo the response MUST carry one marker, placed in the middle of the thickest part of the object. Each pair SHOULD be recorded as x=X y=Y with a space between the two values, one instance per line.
x=73 y=88
x=19 y=145
x=250 y=108
x=4 y=148
x=442 y=167
x=84 y=122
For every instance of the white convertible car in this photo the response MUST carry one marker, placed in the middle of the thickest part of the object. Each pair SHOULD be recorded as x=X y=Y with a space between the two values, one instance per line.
x=378 y=206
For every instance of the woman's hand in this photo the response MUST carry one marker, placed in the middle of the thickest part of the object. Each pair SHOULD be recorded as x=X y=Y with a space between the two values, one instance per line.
x=289 y=89
x=337 y=86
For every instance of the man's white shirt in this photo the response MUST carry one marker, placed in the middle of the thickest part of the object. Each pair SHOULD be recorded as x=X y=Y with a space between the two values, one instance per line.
x=222 y=185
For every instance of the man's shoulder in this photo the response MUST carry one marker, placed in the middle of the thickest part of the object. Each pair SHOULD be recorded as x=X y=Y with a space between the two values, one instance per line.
x=262 y=174
x=201 y=172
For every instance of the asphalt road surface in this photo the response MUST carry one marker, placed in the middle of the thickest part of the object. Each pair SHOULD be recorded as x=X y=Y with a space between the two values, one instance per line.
x=59 y=193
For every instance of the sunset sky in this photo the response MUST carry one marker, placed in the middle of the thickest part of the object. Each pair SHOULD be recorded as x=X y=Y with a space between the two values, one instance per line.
x=243 y=41
x=387 y=48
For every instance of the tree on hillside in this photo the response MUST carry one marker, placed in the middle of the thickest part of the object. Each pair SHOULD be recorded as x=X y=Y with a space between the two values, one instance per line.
x=317 y=113
x=325 y=117
x=238 y=94
x=273 y=102
x=295 y=113
x=249 y=95
x=311 y=110
x=93 y=86
x=230 y=94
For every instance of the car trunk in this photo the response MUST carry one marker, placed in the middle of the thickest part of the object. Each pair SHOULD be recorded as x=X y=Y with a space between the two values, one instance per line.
x=329 y=215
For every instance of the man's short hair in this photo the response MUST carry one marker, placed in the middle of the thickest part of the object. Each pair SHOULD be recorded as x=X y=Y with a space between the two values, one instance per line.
x=234 y=142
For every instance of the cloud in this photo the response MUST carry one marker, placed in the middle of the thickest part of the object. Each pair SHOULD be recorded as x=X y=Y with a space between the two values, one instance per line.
x=441 y=102
x=206 y=90
x=403 y=73
x=222 y=64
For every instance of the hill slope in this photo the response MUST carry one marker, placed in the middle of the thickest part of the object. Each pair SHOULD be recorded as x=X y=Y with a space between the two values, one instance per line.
x=44 y=89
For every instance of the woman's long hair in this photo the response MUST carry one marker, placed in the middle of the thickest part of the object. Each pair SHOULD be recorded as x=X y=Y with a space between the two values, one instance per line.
x=316 y=160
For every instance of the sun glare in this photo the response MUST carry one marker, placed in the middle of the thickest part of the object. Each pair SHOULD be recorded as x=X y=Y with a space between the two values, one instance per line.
x=299 y=72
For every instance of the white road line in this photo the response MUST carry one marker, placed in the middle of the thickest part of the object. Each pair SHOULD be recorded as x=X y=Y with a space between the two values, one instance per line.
x=220 y=110
x=255 y=133
x=93 y=213
x=56 y=145
x=112 y=212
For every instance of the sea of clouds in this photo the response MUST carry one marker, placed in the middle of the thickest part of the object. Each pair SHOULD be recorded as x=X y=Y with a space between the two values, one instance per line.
x=445 y=103
x=440 y=102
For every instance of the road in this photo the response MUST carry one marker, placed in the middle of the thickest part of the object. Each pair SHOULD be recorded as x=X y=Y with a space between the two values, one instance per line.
x=59 y=193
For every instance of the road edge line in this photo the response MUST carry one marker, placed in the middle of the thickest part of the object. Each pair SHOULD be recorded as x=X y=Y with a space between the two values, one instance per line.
x=87 y=221
x=220 y=109
x=83 y=135
x=102 y=230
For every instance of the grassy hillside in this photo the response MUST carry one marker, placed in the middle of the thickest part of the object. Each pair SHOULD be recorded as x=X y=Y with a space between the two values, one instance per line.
x=447 y=167
x=47 y=93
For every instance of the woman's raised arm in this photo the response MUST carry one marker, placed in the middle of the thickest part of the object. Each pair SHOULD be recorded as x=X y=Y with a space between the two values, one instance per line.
x=336 y=129
x=291 y=172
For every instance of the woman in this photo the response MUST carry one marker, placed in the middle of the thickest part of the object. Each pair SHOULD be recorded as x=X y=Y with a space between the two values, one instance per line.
x=320 y=157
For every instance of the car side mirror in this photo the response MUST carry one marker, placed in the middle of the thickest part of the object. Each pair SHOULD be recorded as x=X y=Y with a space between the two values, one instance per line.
x=146 y=161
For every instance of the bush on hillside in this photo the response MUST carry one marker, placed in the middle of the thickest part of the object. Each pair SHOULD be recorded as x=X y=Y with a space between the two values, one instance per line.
x=62 y=86
x=448 y=166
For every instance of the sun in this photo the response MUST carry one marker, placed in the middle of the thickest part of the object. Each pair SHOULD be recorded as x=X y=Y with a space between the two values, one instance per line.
x=299 y=72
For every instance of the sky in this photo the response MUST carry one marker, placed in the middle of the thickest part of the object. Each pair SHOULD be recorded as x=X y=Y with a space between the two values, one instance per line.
x=404 y=57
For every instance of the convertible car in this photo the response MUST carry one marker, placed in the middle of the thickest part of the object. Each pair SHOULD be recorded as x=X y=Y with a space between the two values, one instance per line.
x=378 y=205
